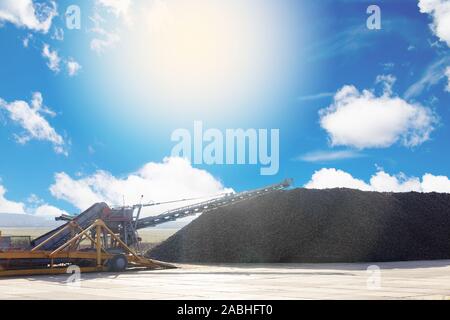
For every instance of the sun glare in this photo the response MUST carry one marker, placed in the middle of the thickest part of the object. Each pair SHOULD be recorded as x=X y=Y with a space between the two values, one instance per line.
x=202 y=53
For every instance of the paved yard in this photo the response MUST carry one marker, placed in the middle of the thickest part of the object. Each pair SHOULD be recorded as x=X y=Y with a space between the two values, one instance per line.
x=400 y=280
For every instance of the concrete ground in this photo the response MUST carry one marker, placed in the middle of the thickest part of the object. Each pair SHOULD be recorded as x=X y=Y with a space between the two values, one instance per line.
x=397 y=280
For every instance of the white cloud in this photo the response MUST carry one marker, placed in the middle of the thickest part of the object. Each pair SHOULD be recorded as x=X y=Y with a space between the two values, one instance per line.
x=365 y=120
x=388 y=65
x=387 y=81
x=53 y=58
x=31 y=118
x=35 y=206
x=316 y=96
x=104 y=39
x=382 y=181
x=37 y=104
x=48 y=211
x=432 y=76
x=34 y=200
x=447 y=73
x=26 y=40
x=322 y=156
x=174 y=178
x=54 y=61
x=435 y=183
x=332 y=178
x=38 y=207
x=80 y=193
x=328 y=178
x=100 y=45
x=439 y=10
x=118 y=7
x=7 y=206
x=73 y=67
x=27 y=14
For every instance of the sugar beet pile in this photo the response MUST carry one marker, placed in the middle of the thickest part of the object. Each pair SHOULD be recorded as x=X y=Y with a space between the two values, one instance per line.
x=302 y=225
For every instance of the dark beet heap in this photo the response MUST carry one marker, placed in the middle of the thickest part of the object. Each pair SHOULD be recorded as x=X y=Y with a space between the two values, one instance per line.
x=300 y=225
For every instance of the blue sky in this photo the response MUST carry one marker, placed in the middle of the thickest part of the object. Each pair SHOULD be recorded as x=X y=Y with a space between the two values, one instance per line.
x=138 y=70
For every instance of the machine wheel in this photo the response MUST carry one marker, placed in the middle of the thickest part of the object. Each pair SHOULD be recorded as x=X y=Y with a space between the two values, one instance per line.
x=118 y=263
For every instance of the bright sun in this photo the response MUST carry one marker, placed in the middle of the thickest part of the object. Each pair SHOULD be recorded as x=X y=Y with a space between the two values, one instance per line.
x=202 y=53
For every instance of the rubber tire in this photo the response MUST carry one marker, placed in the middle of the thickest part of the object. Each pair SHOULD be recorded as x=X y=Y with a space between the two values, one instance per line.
x=118 y=263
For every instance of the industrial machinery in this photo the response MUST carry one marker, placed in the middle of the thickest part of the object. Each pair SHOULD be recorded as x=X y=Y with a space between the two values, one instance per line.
x=106 y=239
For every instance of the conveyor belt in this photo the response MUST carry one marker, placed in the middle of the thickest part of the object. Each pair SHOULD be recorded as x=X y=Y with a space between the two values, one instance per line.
x=172 y=215
x=84 y=219
x=122 y=219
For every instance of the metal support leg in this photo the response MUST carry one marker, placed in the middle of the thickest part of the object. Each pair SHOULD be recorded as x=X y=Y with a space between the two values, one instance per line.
x=98 y=232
